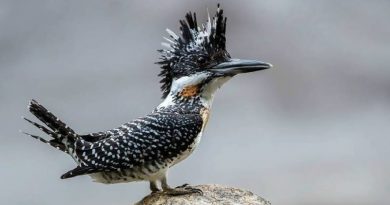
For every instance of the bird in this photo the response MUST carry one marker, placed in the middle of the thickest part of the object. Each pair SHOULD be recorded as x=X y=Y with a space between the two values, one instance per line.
x=194 y=65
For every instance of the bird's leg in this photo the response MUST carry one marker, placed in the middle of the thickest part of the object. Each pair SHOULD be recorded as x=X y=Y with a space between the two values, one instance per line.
x=154 y=187
x=180 y=190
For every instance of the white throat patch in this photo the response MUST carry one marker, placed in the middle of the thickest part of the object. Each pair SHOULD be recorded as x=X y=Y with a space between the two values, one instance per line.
x=206 y=95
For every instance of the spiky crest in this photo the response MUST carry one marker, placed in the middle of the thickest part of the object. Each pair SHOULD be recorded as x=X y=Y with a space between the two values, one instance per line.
x=210 y=39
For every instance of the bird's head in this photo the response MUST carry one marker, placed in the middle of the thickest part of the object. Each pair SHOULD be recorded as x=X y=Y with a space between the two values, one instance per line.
x=196 y=63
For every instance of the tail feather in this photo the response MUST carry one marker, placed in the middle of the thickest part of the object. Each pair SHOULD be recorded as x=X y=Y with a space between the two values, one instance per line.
x=49 y=119
x=53 y=143
x=63 y=136
x=43 y=128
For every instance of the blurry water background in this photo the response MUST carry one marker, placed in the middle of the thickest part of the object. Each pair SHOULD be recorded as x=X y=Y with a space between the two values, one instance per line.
x=312 y=130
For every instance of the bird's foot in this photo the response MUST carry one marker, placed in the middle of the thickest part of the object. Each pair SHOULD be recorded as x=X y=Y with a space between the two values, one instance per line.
x=155 y=191
x=182 y=186
x=182 y=190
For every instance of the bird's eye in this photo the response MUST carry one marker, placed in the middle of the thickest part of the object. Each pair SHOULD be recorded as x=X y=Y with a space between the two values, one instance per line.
x=201 y=60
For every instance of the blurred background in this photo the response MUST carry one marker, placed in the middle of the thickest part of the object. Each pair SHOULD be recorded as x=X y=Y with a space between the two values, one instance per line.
x=312 y=130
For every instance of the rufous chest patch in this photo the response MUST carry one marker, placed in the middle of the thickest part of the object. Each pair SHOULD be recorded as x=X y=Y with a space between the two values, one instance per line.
x=190 y=91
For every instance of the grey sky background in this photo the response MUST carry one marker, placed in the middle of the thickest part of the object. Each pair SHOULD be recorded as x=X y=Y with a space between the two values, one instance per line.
x=312 y=130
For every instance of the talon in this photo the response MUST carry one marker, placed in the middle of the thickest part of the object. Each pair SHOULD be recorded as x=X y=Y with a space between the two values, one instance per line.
x=182 y=190
x=155 y=191
x=194 y=190
x=182 y=186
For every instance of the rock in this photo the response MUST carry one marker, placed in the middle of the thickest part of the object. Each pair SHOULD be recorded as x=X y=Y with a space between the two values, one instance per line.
x=212 y=195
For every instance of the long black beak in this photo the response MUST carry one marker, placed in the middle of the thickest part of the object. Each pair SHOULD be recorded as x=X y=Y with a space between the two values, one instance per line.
x=237 y=66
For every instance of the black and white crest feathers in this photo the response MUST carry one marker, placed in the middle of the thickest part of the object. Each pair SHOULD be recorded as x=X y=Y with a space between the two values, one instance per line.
x=209 y=39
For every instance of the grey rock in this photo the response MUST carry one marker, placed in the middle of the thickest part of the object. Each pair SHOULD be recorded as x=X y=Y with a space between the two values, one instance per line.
x=212 y=195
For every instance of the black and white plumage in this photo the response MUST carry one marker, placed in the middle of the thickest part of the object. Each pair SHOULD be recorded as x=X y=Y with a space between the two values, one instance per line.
x=194 y=66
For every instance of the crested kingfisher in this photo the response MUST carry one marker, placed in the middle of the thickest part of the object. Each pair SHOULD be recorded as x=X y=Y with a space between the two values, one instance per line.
x=194 y=65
